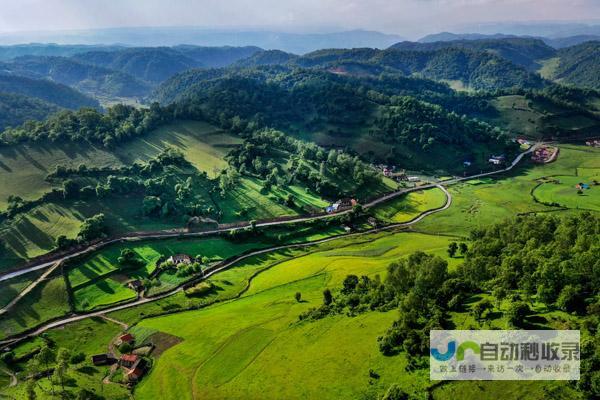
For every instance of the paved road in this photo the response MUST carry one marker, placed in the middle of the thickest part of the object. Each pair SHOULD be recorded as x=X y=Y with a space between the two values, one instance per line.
x=226 y=265
x=217 y=269
x=171 y=234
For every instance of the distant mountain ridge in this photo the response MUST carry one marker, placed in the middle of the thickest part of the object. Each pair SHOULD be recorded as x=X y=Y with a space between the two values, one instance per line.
x=476 y=69
x=298 y=43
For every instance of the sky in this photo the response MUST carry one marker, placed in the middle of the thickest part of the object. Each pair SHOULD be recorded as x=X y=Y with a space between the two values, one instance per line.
x=403 y=17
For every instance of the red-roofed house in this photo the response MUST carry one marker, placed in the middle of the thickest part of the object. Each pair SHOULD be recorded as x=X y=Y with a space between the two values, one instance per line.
x=127 y=360
x=126 y=338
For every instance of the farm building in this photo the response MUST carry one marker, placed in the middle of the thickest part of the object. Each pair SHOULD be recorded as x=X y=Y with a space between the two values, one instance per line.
x=136 y=285
x=497 y=160
x=137 y=370
x=102 y=359
x=180 y=259
x=128 y=360
x=413 y=179
x=126 y=338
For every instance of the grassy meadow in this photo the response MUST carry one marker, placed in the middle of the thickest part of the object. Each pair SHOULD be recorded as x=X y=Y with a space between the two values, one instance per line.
x=410 y=206
x=227 y=344
x=484 y=202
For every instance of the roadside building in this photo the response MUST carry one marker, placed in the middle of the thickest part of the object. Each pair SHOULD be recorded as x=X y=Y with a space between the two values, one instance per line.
x=180 y=259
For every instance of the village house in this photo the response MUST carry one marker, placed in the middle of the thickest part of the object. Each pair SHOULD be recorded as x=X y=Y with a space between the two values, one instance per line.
x=126 y=338
x=180 y=259
x=128 y=360
x=593 y=143
x=137 y=370
x=136 y=285
x=102 y=359
x=497 y=160
x=413 y=179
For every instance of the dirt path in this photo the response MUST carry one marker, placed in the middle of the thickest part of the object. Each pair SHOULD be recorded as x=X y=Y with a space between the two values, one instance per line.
x=30 y=287
x=116 y=321
x=13 y=377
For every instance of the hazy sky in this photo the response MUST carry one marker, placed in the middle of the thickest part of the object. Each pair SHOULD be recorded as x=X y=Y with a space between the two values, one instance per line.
x=404 y=17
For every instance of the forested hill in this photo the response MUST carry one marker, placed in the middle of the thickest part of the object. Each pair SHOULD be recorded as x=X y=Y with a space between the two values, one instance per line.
x=148 y=64
x=58 y=94
x=87 y=78
x=393 y=110
x=579 y=65
x=525 y=52
x=475 y=69
x=156 y=64
x=16 y=109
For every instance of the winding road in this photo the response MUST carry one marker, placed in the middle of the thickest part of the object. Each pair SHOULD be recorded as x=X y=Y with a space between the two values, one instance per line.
x=225 y=265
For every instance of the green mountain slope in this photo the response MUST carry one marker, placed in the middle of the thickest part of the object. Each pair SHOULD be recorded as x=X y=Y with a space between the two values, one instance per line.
x=17 y=108
x=55 y=93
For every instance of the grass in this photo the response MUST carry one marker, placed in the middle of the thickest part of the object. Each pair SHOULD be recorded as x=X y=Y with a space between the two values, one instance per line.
x=561 y=190
x=46 y=301
x=486 y=203
x=202 y=144
x=24 y=167
x=226 y=345
x=10 y=288
x=410 y=206
x=530 y=117
x=97 y=282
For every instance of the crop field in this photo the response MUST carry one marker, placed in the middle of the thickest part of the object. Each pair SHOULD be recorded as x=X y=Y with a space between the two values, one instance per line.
x=410 y=206
x=48 y=300
x=227 y=344
x=483 y=204
x=561 y=189
x=202 y=144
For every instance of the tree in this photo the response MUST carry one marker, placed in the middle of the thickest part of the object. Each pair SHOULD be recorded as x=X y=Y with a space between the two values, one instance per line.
x=327 y=297
x=452 y=248
x=463 y=248
x=62 y=363
x=298 y=296
x=481 y=309
x=44 y=357
x=30 y=389
x=350 y=284
x=516 y=314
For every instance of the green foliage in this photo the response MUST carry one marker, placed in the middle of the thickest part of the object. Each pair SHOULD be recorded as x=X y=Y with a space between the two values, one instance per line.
x=93 y=228
x=15 y=109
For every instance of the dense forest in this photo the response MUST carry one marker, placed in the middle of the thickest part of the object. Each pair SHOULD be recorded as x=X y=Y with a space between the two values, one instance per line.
x=58 y=94
x=16 y=108
x=578 y=65
x=525 y=52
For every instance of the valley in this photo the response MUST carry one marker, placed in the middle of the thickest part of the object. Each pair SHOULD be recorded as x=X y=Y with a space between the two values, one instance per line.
x=188 y=222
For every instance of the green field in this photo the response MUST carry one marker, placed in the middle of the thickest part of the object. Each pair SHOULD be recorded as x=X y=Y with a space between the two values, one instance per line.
x=244 y=348
x=48 y=300
x=10 y=288
x=561 y=189
x=527 y=117
x=202 y=144
x=410 y=206
x=484 y=203
x=23 y=168
x=97 y=281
